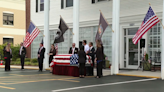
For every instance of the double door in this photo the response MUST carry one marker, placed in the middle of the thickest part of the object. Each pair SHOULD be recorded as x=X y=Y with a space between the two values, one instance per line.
x=133 y=53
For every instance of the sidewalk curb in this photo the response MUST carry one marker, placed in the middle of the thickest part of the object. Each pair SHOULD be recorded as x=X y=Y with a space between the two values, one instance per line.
x=25 y=68
x=139 y=76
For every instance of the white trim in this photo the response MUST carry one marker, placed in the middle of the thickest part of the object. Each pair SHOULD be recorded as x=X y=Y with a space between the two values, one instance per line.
x=8 y=12
x=8 y=25
x=8 y=37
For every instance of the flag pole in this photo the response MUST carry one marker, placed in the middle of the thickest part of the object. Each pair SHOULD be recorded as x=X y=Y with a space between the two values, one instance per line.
x=156 y=15
x=106 y=21
x=66 y=24
x=38 y=28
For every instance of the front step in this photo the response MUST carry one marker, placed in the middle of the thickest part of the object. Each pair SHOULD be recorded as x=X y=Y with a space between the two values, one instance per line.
x=156 y=68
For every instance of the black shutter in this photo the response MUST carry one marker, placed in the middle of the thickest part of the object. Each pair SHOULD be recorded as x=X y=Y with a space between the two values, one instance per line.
x=62 y=4
x=93 y=1
x=36 y=5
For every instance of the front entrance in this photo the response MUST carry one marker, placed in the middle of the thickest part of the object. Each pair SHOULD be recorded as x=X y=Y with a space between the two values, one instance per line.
x=132 y=51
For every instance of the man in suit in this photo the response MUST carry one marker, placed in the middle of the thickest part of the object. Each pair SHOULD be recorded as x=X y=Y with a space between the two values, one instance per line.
x=73 y=49
x=22 y=54
x=92 y=54
x=41 y=52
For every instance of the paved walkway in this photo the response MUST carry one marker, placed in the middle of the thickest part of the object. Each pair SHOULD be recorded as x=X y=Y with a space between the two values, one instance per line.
x=106 y=72
x=139 y=73
x=34 y=81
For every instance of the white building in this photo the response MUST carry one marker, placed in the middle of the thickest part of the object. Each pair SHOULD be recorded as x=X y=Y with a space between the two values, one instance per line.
x=132 y=13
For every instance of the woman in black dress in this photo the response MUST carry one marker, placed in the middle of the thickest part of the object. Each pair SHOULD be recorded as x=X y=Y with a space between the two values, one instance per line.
x=81 y=60
x=7 y=57
x=99 y=58
x=51 y=54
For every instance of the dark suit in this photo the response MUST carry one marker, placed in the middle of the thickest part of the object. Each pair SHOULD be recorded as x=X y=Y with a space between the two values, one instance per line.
x=41 y=52
x=81 y=60
x=103 y=63
x=100 y=57
x=92 y=54
x=7 y=56
x=22 y=55
x=75 y=51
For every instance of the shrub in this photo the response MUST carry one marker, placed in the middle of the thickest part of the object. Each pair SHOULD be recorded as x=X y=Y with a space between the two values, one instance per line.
x=34 y=60
x=34 y=64
x=15 y=51
x=27 y=63
x=27 y=60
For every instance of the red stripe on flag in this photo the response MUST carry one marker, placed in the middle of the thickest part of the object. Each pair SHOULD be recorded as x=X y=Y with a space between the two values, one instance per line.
x=144 y=28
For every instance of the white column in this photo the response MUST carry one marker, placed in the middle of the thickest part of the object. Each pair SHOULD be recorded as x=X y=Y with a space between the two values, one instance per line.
x=115 y=43
x=76 y=6
x=162 y=48
x=117 y=30
x=113 y=39
x=46 y=33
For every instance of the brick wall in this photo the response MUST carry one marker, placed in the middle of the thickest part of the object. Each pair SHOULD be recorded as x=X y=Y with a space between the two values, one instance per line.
x=27 y=24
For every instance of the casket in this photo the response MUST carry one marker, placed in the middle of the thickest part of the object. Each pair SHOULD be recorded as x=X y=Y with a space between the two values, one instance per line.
x=68 y=59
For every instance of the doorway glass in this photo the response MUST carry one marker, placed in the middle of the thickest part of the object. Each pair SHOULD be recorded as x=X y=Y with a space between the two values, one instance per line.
x=133 y=53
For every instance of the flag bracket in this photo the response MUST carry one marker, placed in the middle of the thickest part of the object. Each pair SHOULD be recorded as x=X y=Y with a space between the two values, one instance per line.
x=107 y=21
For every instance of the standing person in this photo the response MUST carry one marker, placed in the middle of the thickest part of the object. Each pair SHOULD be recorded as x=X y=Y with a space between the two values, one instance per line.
x=81 y=60
x=22 y=54
x=41 y=52
x=7 y=56
x=86 y=46
x=86 y=49
x=51 y=54
x=92 y=54
x=103 y=63
x=99 y=59
x=73 y=49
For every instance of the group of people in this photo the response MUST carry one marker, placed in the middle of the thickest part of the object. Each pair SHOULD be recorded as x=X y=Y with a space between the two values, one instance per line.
x=7 y=51
x=8 y=55
x=96 y=55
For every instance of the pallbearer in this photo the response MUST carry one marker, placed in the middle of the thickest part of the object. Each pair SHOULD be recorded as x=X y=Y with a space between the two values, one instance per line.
x=73 y=49
x=92 y=54
x=22 y=54
x=41 y=52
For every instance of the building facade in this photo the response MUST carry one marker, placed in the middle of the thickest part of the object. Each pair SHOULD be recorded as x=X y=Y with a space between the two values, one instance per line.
x=12 y=25
x=132 y=13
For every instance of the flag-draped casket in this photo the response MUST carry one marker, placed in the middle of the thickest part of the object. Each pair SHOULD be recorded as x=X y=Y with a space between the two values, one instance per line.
x=68 y=59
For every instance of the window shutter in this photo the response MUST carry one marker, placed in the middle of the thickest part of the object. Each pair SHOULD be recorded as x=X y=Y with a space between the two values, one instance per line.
x=93 y=1
x=62 y=4
x=36 y=5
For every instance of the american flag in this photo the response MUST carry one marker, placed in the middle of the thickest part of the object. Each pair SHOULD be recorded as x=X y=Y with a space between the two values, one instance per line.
x=56 y=48
x=32 y=32
x=149 y=21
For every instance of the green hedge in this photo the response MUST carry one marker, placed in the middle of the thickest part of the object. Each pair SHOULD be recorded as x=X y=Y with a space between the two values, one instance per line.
x=28 y=61
x=15 y=51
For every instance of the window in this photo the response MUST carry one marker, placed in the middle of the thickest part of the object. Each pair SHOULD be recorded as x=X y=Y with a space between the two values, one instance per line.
x=7 y=40
x=41 y=5
x=36 y=5
x=66 y=3
x=102 y=0
x=8 y=19
x=95 y=1
x=154 y=36
x=69 y=3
